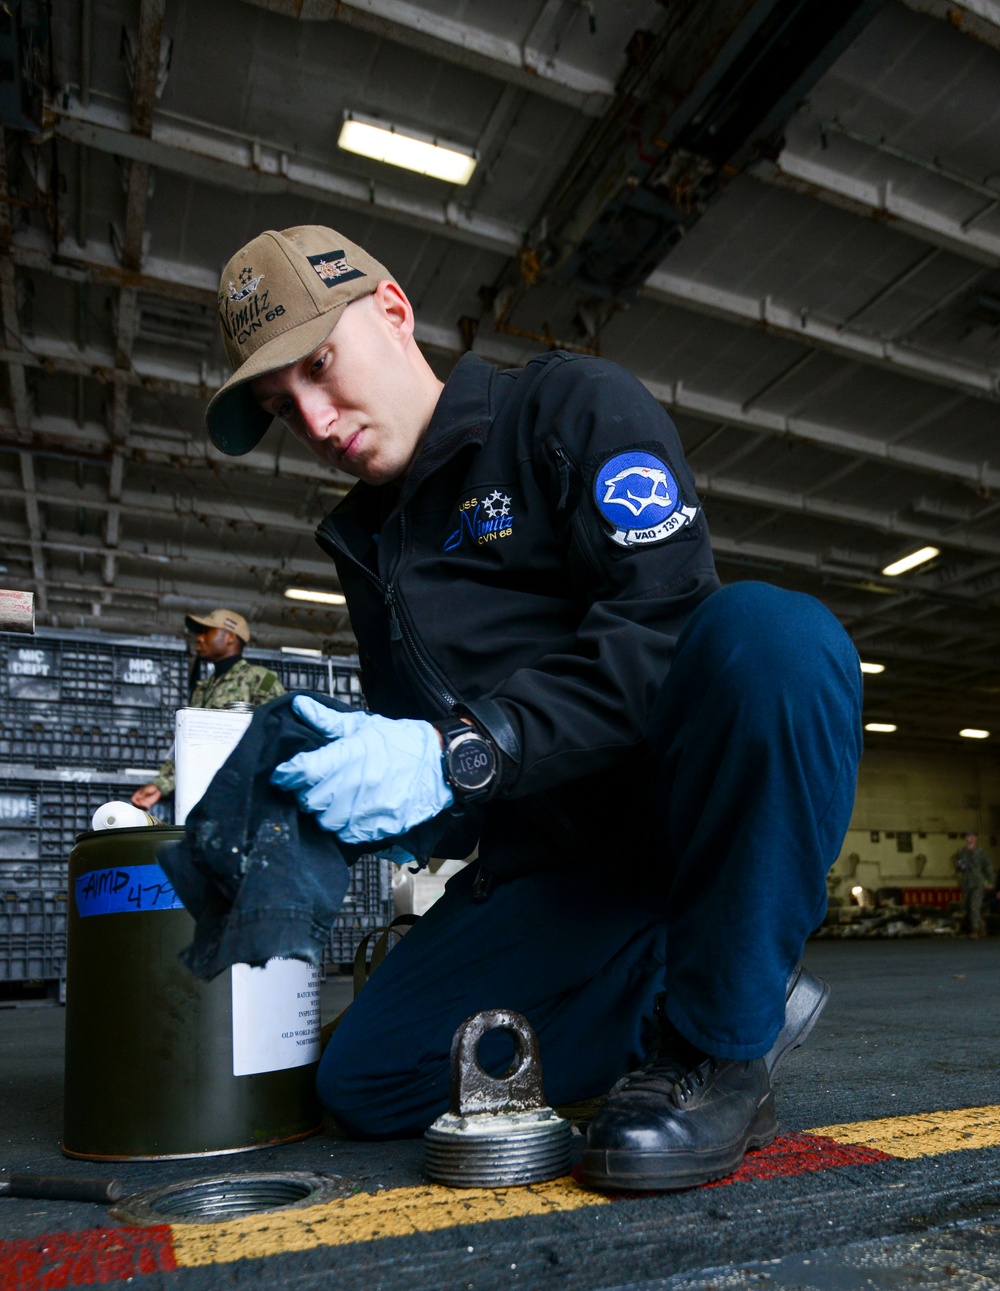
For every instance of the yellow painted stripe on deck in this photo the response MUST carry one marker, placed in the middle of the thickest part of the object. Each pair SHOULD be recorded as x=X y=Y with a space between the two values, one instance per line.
x=928 y=1134
x=396 y=1212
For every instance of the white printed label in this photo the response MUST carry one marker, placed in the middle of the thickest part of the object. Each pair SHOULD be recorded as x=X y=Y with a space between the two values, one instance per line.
x=275 y=1016
x=205 y=738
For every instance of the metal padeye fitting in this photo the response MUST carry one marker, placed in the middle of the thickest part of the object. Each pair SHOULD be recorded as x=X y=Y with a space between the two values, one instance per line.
x=498 y=1130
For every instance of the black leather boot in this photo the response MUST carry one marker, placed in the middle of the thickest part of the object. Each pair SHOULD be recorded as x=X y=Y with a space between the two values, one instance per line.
x=684 y=1117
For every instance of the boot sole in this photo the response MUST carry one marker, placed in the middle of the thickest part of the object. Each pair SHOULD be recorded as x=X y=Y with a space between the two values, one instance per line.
x=805 y=1001
x=618 y=1170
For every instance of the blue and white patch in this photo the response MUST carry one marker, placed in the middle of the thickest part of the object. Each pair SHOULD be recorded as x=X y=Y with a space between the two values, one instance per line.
x=638 y=496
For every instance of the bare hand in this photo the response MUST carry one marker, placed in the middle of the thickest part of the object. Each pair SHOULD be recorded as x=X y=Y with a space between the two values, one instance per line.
x=148 y=796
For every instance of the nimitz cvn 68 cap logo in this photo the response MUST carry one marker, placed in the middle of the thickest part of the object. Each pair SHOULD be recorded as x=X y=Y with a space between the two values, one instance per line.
x=637 y=494
x=333 y=268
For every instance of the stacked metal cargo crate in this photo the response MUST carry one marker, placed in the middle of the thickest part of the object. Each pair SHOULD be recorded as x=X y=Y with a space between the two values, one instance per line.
x=86 y=718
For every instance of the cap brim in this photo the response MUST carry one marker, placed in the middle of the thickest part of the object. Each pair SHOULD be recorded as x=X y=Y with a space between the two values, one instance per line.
x=194 y=624
x=236 y=422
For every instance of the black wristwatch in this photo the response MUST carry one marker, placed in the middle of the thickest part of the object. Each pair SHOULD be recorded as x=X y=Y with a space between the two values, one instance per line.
x=468 y=759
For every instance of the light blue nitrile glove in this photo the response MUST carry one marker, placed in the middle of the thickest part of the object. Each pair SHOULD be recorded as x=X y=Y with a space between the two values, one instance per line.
x=377 y=778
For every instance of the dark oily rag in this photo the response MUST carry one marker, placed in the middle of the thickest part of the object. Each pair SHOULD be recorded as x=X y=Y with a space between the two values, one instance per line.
x=260 y=877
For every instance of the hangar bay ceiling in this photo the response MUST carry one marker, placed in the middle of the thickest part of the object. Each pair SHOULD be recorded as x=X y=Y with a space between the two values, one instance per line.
x=782 y=215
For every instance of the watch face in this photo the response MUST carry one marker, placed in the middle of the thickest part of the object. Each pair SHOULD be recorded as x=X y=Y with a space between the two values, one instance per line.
x=471 y=762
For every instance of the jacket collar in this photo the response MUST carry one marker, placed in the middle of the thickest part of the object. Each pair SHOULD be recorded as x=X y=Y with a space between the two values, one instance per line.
x=462 y=415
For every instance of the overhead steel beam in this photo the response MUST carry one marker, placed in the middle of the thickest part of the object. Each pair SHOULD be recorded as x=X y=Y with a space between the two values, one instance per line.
x=209 y=559
x=676 y=396
x=98 y=263
x=879 y=200
x=765 y=315
x=133 y=551
x=145 y=79
x=36 y=542
x=232 y=161
x=703 y=95
x=961 y=538
x=177 y=506
x=146 y=444
x=977 y=18
x=174 y=280
x=266 y=614
x=20 y=401
x=435 y=32
x=820 y=563
x=888 y=523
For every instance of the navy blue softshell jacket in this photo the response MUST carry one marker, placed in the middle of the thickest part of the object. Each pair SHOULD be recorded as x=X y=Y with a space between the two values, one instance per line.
x=491 y=584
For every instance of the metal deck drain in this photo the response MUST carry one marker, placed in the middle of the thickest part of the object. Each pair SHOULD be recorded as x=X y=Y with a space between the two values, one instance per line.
x=228 y=1196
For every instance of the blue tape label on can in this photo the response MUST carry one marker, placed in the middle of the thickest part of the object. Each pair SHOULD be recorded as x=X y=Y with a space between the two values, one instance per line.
x=132 y=889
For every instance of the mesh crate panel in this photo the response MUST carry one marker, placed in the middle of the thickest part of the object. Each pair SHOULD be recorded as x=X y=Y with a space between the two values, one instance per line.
x=367 y=906
x=64 y=809
x=32 y=935
x=95 y=736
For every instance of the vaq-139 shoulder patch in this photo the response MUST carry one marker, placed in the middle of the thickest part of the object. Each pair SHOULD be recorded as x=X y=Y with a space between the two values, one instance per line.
x=638 y=495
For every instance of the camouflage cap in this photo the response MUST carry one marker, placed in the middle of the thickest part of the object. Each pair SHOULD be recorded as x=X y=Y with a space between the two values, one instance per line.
x=228 y=620
x=280 y=296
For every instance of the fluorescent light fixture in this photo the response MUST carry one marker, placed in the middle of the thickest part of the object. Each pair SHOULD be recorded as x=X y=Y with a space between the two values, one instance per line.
x=873 y=667
x=970 y=733
x=320 y=598
x=857 y=890
x=883 y=728
x=911 y=561
x=303 y=650
x=406 y=148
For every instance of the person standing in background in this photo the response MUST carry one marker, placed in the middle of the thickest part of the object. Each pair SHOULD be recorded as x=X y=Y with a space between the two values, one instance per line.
x=975 y=870
x=219 y=639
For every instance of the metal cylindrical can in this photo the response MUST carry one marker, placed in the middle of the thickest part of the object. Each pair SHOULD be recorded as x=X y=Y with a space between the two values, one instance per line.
x=151 y=1051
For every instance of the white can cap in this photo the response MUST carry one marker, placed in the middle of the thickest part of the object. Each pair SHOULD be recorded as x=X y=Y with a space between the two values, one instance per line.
x=120 y=815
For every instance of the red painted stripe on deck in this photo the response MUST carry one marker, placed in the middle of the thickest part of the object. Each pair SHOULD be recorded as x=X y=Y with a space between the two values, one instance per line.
x=91 y=1256
x=102 y=1255
x=792 y=1154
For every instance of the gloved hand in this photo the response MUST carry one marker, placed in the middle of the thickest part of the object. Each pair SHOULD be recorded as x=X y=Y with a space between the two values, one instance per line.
x=378 y=777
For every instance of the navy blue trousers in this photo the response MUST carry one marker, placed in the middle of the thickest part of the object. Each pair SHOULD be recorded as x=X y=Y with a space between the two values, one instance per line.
x=755 y=739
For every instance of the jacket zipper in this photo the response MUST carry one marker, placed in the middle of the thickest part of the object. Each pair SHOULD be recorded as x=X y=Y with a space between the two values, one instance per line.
x=399 y=624
x=399 y=629
x=564 y=466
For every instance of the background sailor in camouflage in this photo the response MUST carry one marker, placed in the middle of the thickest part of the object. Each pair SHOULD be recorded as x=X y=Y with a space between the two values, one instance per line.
x=219 y=638
x=976 y=872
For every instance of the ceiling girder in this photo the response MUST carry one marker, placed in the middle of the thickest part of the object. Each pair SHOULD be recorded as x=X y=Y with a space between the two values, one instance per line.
x=702 y=97
x=20 y=400
x=247 y=165
x=889 y=523
x=765 y=315
x=977 y=18
x=184 y=554
x=140 y=502
x=817 y=562
x=675 y=396
x=880 y=201
x=435 y=33
x=95 y=263
x=271 y=612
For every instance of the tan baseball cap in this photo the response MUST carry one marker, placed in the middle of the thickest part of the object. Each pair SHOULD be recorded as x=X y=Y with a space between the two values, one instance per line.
x=229 y=620
x=280 y=297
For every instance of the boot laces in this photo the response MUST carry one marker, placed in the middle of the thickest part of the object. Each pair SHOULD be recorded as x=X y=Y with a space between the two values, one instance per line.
x=668 y=1079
